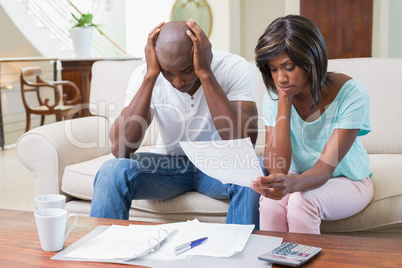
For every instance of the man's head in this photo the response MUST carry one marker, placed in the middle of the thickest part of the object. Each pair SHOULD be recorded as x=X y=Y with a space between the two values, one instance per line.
x=174 y=50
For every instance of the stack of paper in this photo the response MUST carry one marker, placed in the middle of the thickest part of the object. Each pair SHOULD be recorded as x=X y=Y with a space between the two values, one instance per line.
x=118 y=242
x=128 y=242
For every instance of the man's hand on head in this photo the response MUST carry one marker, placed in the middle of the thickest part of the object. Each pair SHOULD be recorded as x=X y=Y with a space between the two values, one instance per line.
x=202 y=49
x=153 y=67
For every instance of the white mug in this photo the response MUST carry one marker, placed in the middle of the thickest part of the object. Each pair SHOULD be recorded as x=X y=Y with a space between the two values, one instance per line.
x=50 y=201
x=51 y=225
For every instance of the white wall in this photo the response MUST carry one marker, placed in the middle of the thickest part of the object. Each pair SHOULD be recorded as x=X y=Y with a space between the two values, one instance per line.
x=395 y=26
x=14 y=44
x=381 y=22
x=256 y=16
x=292 y=7
x=221 y=36
x=237 y=24
x=112 y=20
x=142 y=17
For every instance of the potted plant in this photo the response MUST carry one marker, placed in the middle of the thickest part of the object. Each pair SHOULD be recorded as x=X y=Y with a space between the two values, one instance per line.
x=81 y=35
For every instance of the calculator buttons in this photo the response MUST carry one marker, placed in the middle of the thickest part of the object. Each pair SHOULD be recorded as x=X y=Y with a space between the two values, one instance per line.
x=292 y=249
x=291 y=254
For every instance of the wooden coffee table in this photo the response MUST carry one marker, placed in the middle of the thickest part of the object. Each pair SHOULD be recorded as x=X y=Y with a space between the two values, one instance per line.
x=20 y=246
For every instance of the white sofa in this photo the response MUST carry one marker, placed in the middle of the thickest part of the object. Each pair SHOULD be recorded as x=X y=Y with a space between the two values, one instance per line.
x=65 y=156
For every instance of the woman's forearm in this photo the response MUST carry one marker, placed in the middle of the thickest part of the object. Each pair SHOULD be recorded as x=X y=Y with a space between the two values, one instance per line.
x=278 y=150
x=311 y=179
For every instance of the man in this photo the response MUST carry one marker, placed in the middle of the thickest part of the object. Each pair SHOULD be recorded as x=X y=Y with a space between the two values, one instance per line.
x=194 y=95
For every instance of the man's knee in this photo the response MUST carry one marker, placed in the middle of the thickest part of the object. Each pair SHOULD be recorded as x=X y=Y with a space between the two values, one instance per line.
x=244 y=192
x=261 y=160
x=112 y=170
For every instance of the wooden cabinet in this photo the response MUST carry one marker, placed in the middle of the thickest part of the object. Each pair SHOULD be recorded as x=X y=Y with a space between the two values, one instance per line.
x=345 y=24
x=79 y=72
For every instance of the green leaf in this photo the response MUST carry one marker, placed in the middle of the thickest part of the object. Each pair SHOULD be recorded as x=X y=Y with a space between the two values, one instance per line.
x=87 y=18
x=85 y=21
x=74 y=17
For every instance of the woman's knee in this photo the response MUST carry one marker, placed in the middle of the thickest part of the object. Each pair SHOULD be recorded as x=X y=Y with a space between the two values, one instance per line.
x=302 y=201
x=273 y=207
x=273 y=215
x=302 y=206
x=303 y=213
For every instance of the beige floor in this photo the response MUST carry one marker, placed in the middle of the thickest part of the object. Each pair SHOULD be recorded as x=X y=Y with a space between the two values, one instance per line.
x=16 y=183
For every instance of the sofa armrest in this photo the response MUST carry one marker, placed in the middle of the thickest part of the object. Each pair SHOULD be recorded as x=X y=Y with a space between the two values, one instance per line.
x=48 y=149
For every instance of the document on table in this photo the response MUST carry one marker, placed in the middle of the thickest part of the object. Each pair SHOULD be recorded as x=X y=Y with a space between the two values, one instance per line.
x=224 y=240
x=230 y=161
x=127 y=242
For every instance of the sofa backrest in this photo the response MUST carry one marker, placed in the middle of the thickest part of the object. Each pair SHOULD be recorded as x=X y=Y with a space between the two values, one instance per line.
x=108 y=92
x=108 y=86
x=381 y=76
x=383 y=79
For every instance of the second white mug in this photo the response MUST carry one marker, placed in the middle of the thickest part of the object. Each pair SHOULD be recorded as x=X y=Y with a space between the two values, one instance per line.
x=50 y=201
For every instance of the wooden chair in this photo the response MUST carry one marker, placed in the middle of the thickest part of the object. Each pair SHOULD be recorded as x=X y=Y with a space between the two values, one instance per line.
x=69 y=108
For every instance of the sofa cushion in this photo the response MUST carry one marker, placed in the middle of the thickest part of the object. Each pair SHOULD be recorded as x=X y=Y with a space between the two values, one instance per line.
x=384 y=211
x=182 y=205
x=82 y=208
x=78 y=179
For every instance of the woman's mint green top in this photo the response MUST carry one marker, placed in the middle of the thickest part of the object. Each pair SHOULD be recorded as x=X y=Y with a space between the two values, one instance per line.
x=349 y=110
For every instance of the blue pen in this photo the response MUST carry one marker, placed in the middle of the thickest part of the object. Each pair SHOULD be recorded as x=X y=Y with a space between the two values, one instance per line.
x=189 y=245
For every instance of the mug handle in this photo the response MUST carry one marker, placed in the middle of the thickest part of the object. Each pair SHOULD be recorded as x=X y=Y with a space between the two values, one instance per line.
x=72 y=225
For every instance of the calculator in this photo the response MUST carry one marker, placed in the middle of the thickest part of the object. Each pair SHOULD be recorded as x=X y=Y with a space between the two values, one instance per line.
x=290 y=254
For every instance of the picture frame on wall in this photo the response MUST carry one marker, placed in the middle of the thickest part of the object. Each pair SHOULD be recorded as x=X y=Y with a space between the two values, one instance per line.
x=198 y=10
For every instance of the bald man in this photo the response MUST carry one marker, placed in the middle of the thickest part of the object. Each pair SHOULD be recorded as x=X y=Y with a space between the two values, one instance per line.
x=194 y=94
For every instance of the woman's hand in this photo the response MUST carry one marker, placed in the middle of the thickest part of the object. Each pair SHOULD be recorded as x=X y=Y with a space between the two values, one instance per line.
x=153 y=67
x=274 y=186
x=202 y=49
x=285 y=96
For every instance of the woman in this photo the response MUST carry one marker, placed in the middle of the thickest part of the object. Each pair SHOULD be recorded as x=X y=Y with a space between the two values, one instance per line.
x=318 y=168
